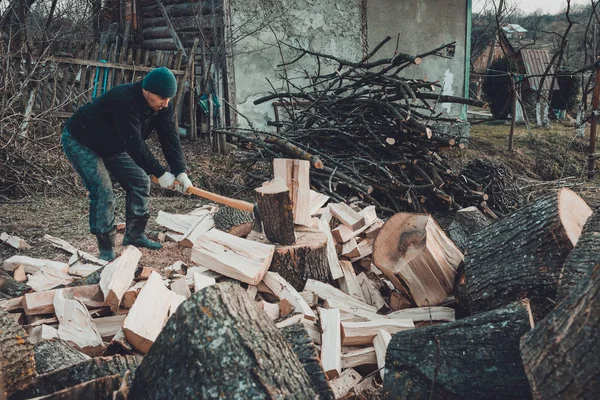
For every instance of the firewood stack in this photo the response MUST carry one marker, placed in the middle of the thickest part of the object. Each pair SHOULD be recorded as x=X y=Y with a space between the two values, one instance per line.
x=330 y=300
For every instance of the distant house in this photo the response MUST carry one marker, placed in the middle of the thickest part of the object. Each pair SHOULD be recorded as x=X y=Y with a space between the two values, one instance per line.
x=514 y=31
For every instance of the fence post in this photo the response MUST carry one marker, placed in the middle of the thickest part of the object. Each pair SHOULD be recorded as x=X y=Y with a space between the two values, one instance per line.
x=592 y=150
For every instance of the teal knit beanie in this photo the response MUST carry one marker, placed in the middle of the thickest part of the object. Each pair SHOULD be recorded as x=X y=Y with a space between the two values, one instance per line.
x=161 y=81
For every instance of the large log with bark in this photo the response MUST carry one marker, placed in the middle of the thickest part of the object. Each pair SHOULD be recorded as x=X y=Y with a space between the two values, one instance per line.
x=561 y=354
x=417 y=257
x=473 y=358
x=11 y=287
x=582 y=259
x=17 y=364
x=276 y=209
x=302 y=344
x=522 y=255
x=223 y=334
x=235 y=222
x=466 y=222
x=107 y=387
x=79 y=373
x=55 y=354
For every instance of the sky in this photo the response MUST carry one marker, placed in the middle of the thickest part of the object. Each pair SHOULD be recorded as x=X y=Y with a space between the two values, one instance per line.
x=528 y=6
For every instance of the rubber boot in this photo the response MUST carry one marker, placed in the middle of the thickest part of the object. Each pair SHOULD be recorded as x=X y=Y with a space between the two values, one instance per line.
x=135 y=236
x=106 y=244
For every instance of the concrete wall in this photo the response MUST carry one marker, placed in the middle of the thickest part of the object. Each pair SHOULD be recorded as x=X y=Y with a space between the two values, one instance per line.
x=424 y=25
x=331 y=27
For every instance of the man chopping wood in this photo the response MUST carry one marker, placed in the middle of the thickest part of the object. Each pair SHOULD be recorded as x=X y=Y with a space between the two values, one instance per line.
x=107 y=137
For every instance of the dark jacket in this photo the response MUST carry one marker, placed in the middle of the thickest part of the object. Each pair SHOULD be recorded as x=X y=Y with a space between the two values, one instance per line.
x=120 y=121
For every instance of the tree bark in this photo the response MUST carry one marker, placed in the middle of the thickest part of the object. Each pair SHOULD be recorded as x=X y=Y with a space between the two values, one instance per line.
x=10 y=287
x=55 y=354
x=101 y=388
x=521 y=256
x=561 y=355
x=233 y=221
x=466 y=222
x=582 y=260
x=302 y=344
x=17 y=364
x=473 y=358
x=235 y=350
x=275 y=206
x=81 y=372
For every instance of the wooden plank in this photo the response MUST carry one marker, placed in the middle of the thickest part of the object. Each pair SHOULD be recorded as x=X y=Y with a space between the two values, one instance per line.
x=347 y=216
x=295 y=173
x=349 y=283
x=14 y=241
x=332 y=258
x=371 y=295
x=283 y=290
x=93 y=63
x=33 y=265
x=117 y=276
x=425 y=314
x=331 y=344
x=149 y=313
x=43 y=302
x=342 y=385
x=229 y=255
x=361 y=333
x=75 y=325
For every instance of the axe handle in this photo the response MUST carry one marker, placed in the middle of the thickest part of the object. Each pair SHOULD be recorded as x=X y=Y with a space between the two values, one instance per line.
x=217 y=198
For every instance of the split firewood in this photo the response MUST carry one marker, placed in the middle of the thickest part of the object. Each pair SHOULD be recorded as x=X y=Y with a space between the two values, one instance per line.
x=131 y=294
x=109 y=326
x=272 y=310
x=523 y=254
x=119 y=345
x=180 y=223
x=79 y=373
x=399 y=301
x=380 y=343
x=48 y=278
x=310 y=298
x=237 y=258
x=362 y=333
x=177 y=268
x=349 y=247
x=335 y=298
x=289 y=320
x=13 y=304
x=192 y=334
x=251 y=290
x=373 y=230
x=146 y=318
x=317 y=201
x=75 y=325
x=466 y=222
x=331 y=344
x=233 y=221
x=118 y=276
x=205 y=224
x=432 y=362
x=43 y=302
x=14 y=241
x=10 y=287
x=32 y=265
x=295 y=174
x=582 y=259
x=424 y=314
x=69 y=248
x=370 y=293
x=334 y=264
x=313 y=330
x=17 y=365
x=343 y=233
x=82 y=270
x=347 y=216
x=349 y=283
x=561 y=353
x=283 y=290
x=298 y=337
x=144 y=273
x=342 y=385
x=285 y=308
x=354 y=356
x=180 y=287
x=55 y=354
x=43 y=332
x=276 y=209
x=19 y=274
x=414 y=253
x=202 y=280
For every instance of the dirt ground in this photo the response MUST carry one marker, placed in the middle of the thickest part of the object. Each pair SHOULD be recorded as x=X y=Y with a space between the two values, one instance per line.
x=547 y=154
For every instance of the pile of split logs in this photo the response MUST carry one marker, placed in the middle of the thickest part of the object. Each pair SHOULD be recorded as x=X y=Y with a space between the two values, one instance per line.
x=329 y=301
x=369 y=132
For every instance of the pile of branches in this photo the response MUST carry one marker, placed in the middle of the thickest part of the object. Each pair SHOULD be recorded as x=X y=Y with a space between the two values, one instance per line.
x=368 y=132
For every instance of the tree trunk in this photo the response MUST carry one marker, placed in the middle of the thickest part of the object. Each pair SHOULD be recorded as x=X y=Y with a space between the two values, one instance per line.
x=275 y=206
x=17 y=364
x=101 y=388
x=521 y=256
x=10 y=287
x=234 y=348
x=302 y=344
x=582 y=260
x=473 y=358
x=74 y=375
x=466 y=222
x=234 y=222
x=561 y=355
x=55 y=354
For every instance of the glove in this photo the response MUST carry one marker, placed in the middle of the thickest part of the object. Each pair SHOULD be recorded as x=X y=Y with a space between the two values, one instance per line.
x=167 y=180
x=184 y=183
